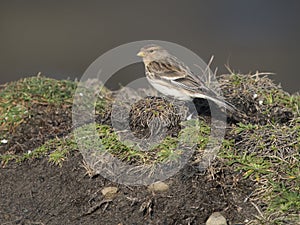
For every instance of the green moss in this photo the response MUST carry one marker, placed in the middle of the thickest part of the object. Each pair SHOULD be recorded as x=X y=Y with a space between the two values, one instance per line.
x=17 y=98
x=194 y=132
x=268 y=155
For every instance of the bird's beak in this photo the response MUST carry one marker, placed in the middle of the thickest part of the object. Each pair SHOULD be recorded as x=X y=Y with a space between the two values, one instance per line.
x=141 y=54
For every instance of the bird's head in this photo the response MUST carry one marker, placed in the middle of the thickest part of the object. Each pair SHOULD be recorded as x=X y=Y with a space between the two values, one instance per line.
x=152 y=53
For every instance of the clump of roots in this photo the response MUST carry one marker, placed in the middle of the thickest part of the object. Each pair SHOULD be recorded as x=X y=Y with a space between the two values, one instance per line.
x=151 y=114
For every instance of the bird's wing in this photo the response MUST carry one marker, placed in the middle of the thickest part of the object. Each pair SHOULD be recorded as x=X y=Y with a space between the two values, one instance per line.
x=167 y=70
x=172 y=71
x=200 y=90
x=175 y=72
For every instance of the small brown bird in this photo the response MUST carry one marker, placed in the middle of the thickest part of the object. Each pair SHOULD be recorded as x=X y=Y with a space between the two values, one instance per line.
x=171 y=77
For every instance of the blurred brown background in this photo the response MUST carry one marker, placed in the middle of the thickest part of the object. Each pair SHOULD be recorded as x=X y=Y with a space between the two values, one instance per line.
x=61 y=38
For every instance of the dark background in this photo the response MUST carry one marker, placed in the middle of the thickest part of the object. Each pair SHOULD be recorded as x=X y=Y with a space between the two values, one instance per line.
x=62 y=38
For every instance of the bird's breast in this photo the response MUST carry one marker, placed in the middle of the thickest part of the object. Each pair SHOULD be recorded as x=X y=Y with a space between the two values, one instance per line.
x=168 y=89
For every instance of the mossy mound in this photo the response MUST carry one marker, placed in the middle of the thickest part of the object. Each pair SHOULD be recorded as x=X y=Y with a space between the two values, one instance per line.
x=262 y=150
x=259 y=98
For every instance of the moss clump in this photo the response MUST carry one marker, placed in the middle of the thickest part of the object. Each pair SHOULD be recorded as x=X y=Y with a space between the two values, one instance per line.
x=266 y=149
x=260 y=99
x=147 y=110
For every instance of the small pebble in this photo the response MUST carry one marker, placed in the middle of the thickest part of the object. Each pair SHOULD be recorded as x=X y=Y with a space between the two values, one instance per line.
x=4 y=141
x=109 y=192
x=216 y=219
x=158 y=186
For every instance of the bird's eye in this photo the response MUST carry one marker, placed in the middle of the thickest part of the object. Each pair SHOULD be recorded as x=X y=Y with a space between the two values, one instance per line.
x=151 y=50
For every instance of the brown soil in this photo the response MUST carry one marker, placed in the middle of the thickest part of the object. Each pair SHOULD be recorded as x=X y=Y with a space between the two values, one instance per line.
x=35 y=192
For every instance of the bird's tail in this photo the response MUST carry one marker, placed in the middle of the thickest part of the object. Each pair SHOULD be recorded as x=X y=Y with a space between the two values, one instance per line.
x=228 y=106
x=235 y=113
x=224 y=104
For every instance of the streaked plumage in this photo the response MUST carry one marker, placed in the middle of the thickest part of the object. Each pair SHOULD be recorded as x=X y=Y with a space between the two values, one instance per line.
x=171 y=77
